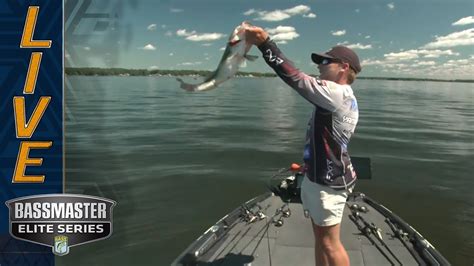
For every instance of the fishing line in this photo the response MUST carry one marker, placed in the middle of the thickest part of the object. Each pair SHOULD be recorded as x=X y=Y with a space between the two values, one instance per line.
x=235 y=236
x=268 y=246
x=265 y=227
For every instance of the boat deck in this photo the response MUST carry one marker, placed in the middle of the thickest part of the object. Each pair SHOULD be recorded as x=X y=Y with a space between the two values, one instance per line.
x=261 y=242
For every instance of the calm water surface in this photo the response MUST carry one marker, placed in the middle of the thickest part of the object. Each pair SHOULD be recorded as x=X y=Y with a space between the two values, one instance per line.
x=176 y=162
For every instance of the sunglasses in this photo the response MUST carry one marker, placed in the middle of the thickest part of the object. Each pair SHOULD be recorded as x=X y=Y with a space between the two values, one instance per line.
x=327 y=61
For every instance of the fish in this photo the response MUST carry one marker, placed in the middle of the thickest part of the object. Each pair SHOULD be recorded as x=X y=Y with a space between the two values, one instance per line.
x=235 y=55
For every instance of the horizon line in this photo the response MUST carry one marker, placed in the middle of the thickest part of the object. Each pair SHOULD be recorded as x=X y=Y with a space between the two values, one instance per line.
x=270 y=73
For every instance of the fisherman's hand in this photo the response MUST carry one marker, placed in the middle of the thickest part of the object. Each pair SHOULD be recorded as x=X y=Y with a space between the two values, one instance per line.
x=255 y=35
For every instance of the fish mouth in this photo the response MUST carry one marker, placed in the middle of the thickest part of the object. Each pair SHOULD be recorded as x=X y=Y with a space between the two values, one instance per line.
x=233 y=43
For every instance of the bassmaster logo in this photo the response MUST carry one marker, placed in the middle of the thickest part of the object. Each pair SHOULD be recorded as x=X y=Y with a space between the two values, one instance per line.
x=60 y=221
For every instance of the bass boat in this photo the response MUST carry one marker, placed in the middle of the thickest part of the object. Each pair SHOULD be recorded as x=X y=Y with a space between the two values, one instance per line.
x=273 y=229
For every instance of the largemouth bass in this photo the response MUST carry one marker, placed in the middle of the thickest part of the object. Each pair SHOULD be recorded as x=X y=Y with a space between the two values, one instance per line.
x=234 y=55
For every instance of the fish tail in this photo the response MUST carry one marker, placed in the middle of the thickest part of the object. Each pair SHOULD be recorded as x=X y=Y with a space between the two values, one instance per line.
x=186 y=86
x=247 y=23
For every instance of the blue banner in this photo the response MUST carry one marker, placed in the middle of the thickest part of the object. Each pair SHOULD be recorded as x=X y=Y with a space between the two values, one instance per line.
x=31 y=114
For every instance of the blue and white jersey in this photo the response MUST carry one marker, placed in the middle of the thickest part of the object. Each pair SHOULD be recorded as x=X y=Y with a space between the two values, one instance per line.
x=332 y=123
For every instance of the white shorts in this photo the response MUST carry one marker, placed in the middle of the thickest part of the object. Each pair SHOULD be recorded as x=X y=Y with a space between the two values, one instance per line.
x=324 y=204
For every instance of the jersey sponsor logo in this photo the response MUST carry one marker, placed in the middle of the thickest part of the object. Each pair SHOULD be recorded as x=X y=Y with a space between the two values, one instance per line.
x=330 y=169
x=353 y=104
x=273 y=58
x=349 y=120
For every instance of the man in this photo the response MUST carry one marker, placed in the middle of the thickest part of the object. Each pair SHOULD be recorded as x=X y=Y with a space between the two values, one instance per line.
x=329 y=176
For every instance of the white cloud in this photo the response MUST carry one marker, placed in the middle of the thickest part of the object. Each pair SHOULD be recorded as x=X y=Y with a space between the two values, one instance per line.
x=171 y=54
x=278 y=15
x=153 y=68
x=250 y=12
x=391 y=6
x=151 y=27
x=207 y=44
x=87 y=48
x=176 y=10
x=357 y=10
x=169 y=33
x=459 y=62
x=184 y=32
x=300 y=9
x=360 y=46
x=201 y=37
x=414 y=54
x=148 y=47
x=394 y=59
x=461 y=38
x=425 y=63
x=451 y=69
x=189 y=63
x=282 y=34
x=205 y=37
x=338 y=33
x=280 y=29
x=286 y=36
x=436 y=53
x=397 y=66
x=163 y=26
x=222 y=49
x=356 y=45
x=369 y=62
x=464 y=21
x=367 y=37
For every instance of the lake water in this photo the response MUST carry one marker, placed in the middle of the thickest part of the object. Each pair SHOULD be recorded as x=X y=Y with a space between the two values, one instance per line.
x=176 y=162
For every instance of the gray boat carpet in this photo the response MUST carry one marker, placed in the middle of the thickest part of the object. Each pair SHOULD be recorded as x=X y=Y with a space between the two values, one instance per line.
x=263 y=243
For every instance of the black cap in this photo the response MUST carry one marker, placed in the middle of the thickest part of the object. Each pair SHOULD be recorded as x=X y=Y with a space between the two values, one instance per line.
x=342 y=53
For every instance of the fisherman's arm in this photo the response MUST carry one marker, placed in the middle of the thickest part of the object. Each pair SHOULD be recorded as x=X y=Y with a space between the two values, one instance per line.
x=316 y=91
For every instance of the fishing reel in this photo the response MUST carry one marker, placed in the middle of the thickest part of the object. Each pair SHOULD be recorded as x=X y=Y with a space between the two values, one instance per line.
x=289 y=186
x=251 y=216
x=358 y=208
x=284 y=213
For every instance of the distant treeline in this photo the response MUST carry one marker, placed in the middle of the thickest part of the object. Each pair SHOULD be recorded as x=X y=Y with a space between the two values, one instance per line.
x=95 y=71
x=419 y=79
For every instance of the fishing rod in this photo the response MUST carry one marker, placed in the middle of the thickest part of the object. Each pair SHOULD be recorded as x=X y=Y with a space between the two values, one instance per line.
x=376 y=231
x=283 y=214
x=355 y=217
x=253 y=217
x=250 y=216
x=426 y=251
x=401 y=235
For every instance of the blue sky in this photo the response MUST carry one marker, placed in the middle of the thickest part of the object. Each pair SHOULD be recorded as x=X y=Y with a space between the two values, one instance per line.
x=417 y=38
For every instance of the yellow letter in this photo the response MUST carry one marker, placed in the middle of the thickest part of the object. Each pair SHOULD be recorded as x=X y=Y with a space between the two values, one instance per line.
x=32 y=74
x=30 y=23
x=23 y=161
x=23 y=129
